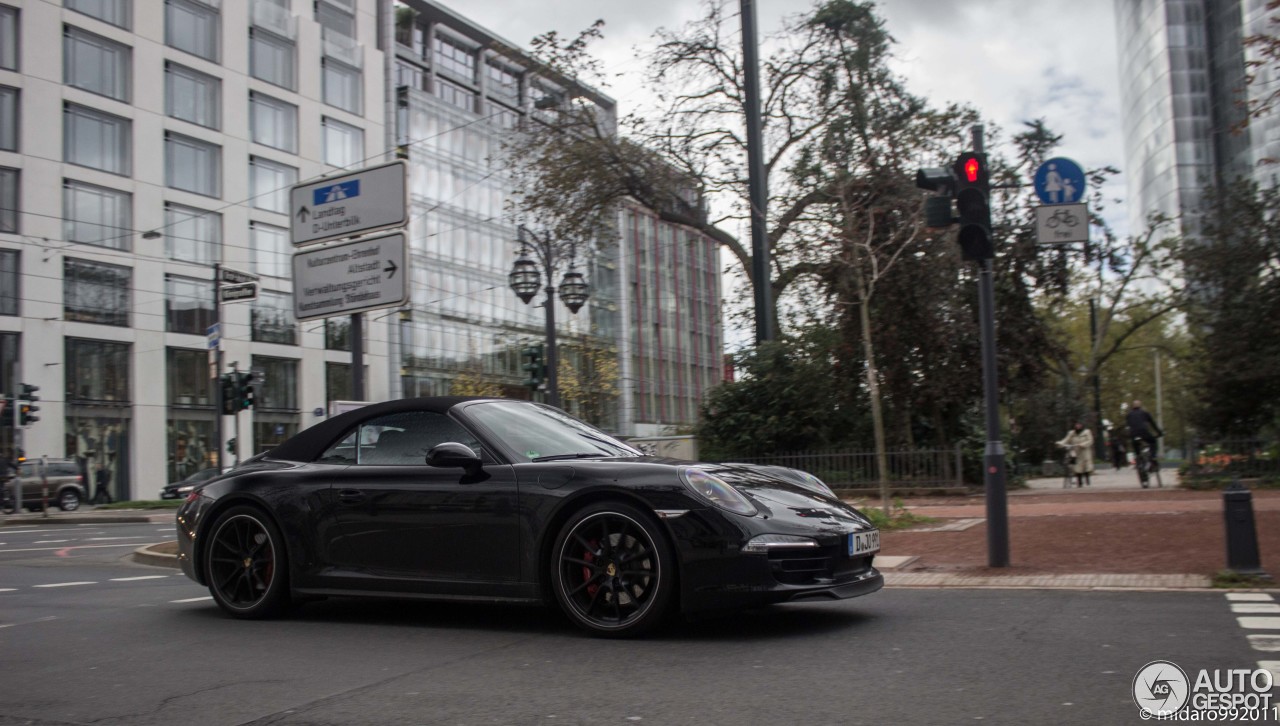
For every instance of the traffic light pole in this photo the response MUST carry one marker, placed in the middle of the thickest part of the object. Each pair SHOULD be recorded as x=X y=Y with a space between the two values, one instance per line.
x=993 y=464
x=217 y=373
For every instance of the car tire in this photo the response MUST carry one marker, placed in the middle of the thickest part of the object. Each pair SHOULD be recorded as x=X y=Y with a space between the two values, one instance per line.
x=68 y=500
x=613 y=570
x=246 y=565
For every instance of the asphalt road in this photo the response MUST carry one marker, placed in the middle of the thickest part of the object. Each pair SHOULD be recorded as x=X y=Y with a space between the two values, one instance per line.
x=107 y=647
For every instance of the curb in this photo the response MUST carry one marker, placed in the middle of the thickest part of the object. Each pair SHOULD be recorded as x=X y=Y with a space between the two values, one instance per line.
x=1092 y=582
x=145 y=556
x=26 y=519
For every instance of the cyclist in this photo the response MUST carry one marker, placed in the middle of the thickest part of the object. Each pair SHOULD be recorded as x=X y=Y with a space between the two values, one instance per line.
x=1141 y=425
x=1079 y=441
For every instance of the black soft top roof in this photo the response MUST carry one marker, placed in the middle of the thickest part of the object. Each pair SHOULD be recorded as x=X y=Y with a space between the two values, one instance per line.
x=310 y=443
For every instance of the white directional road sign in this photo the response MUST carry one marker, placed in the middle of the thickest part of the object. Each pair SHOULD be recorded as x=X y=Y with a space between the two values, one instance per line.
x=1060 y=224
x=364 y=274
x=349 y=205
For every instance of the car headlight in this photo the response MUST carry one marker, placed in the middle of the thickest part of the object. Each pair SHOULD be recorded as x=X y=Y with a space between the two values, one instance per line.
x=717 y=491
x=814 y=484
x=761 y=544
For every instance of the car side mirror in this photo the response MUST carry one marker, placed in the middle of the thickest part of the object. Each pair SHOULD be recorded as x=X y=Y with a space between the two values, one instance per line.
x=453 y=454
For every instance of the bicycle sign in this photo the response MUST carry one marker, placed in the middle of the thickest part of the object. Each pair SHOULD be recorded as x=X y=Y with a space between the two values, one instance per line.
x=1060 y=224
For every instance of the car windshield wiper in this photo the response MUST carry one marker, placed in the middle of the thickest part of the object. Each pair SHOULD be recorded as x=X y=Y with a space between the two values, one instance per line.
x=579 y=455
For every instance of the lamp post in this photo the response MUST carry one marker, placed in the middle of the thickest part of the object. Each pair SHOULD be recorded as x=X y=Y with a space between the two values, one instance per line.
x=525 y=280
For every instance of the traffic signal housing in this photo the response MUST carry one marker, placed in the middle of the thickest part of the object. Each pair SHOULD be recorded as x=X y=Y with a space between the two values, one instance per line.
x=535 y=365
x=973 y=205
x=230 y=394
x=244 y=391
x=27 y=407
x=8 y=413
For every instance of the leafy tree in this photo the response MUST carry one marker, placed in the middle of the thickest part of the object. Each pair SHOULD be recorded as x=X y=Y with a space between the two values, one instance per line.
x=588 y=370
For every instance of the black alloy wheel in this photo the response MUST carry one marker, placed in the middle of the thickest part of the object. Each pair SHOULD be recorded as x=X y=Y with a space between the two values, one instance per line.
x=612 y=570
x=246 y=566
x=69 y=500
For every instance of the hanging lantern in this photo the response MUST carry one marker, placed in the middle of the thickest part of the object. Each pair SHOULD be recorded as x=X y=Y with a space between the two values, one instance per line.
x=574 y=290
x=524 y=279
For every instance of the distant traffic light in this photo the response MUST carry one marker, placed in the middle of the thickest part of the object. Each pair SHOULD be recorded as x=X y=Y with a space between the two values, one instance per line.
x=230 y=394
x=973 y=194
x=231 y=446
x=535 y=365
x=27 y=407
x=244 y=390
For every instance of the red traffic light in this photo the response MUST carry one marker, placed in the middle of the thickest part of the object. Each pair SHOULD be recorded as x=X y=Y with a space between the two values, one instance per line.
x=971 y=169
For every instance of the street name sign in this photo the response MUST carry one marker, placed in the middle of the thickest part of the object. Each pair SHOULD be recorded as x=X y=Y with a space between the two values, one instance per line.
x=1060 y=181
x=351 y=277
x=349 y=205
x=213 y=334
x=238 y=293
x=226 y=274
x=1060 y=224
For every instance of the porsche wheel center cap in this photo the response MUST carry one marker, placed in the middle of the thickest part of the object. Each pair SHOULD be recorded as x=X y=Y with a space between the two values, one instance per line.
x=248 y=562
x=611 y=570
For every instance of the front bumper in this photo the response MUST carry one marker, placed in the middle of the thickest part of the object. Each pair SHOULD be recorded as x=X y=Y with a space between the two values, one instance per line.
x=188 y=522
x=751 y=580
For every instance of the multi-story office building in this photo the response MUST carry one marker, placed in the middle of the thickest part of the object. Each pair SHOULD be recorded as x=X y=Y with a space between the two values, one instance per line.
x=1182 y=78
x=140 y=144
x=655 y=294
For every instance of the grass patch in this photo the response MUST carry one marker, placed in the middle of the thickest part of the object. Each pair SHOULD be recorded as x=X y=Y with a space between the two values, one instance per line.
x=1226 y=579
x=899 y=517
x=144 y=504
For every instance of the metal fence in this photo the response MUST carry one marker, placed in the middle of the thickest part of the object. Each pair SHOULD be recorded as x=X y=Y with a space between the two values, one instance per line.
x=1244 y=458
x=856 y=470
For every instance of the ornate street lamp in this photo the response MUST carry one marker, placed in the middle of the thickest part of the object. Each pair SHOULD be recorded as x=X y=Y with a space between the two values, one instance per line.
x=525 y=279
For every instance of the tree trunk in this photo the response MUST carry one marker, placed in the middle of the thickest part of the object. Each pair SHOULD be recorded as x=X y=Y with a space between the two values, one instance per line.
x=873 y=392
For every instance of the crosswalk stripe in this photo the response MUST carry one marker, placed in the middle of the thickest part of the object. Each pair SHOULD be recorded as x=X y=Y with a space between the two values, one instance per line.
x=193 y=599
x=1273 y=666
x=1259 y=623
x=1249 y=597
x=134 y=579
x=1255 y=607
x=1268 y=643
x=65 y=584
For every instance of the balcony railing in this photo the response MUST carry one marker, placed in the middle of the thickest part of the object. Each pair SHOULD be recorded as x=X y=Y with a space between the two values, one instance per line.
x=342 y=48
x=269 y=16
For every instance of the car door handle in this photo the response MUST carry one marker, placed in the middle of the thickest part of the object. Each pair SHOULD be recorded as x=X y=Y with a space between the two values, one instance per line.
x=350 y=496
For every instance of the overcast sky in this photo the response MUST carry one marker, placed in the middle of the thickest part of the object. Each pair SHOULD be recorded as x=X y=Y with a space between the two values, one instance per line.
x=1014 y=60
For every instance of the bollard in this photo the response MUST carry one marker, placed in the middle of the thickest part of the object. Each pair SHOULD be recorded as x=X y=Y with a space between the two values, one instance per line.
x=1242 y=535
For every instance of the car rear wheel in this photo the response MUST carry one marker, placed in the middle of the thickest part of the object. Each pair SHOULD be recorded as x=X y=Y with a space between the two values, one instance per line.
x=68 y=500
x=612 y=570
x=246 y=564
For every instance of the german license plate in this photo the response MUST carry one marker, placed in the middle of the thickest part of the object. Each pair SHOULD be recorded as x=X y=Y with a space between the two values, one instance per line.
x=864 y=543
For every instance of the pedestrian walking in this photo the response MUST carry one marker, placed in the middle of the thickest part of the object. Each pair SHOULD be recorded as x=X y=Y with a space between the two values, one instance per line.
x=1080 y=442
x=102 y=486
x=1119 y=452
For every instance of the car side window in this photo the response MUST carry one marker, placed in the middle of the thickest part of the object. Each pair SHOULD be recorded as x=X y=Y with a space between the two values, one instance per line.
x=398 y=439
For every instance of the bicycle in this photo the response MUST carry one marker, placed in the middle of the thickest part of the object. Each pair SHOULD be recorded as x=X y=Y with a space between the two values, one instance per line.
x=1068 y=467
x=1146 y=463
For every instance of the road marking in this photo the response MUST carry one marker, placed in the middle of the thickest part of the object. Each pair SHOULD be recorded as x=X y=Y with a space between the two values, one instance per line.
x=1259 y=623
x=8 y=589
x=65 y=584
x=29 y=622
x=1255 y=607
x=105 y=539
x=50 y=541
x=193 y=599
x=1273 y=666
x=135 y=579
x=1268 y=643
x=44 y=530
x=1249 y=597
x=79 y=547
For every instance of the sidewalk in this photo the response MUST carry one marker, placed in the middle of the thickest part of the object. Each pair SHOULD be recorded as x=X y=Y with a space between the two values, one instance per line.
x=1112 y=534
x=86 y=515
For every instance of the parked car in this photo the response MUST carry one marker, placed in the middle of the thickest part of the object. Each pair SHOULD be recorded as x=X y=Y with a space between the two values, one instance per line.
x=502 y=500
x=180 y=489
x=66 y=484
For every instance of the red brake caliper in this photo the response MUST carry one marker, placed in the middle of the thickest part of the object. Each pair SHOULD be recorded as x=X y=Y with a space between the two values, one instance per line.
x=590 y=556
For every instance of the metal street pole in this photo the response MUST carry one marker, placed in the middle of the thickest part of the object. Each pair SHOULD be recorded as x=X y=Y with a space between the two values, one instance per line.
x=217 y=373
x=756 y=180
x=357 y=356
x=1159 y=397
x=1098 y=450
x=993 y=459
x=553 y=364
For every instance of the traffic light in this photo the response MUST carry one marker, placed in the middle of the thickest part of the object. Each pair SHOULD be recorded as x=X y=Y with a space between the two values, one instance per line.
x=534 y=365
x=230 y=394
x=26 y=412
x=244 y=391
x=7 y=412
x=231 y=446
x=973 y=194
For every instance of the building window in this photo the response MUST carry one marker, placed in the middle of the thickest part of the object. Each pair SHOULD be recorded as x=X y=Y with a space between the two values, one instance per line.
x=343 y=143
x=96 y=215
x=8 y=38
x=341 y=85
x=192 y=96
x=337 y=382
x=453 y=58
x=271 y=318
x=502 y=82
x=8 y=283
x=271 y=58
x=114 y=12
x=192 y=165
x=269 y=184
x=96 y=140
x=93 y=63
x=192 y=421
x=192 y=235
x=455 y=95
x=9 y=200
x=8 y=119
x=269 y=247
x=191 y=26
x=97 y=371
x=275 y=406
x=337 y=334
x=273 y=122
x=95 y=292
x=334 y=19
x=188 y=305
x=501 y=116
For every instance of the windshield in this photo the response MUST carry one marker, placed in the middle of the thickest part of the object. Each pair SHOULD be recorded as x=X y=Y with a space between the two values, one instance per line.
x=541 y=433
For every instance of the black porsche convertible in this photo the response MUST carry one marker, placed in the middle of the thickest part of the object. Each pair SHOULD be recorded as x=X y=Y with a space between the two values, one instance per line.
x=502 y=500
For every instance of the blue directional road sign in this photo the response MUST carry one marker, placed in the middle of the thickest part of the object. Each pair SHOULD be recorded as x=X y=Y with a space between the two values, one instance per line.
x=1060 y=181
